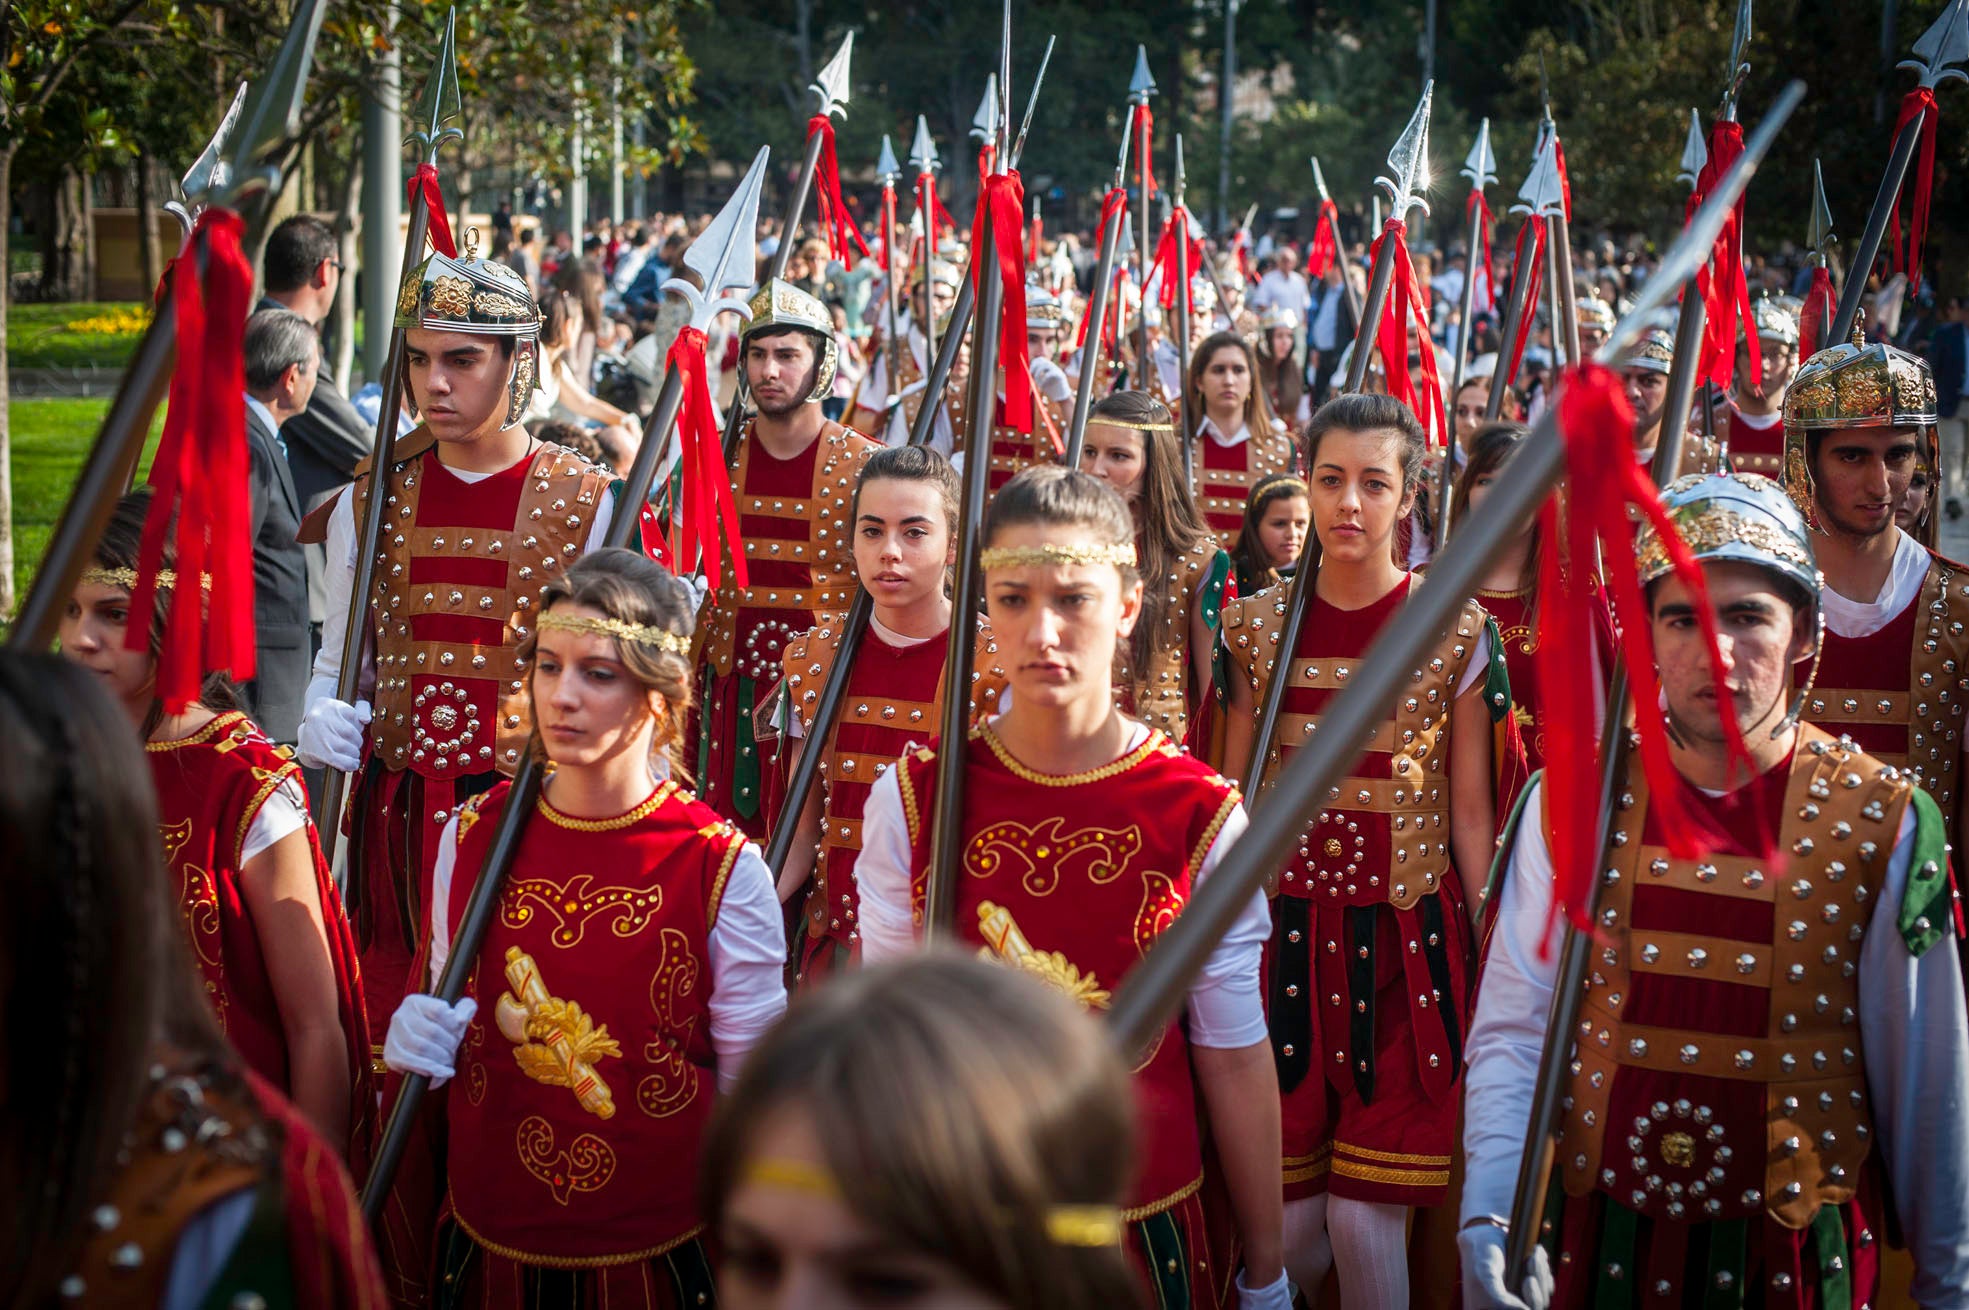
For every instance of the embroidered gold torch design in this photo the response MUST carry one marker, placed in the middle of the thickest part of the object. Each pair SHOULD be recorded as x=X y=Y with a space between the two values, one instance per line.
x=1003 y=938
x=554 y=1042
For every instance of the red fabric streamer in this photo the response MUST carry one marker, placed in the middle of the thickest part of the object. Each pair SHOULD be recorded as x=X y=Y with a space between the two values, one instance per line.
x=1721 y=282
x=200 y=477
x=1405 y=308
x=1114 y=209
x=1038 y=234
x=1603 y=482
x=936 y=219
x=1565 y=180
x=1175 y=235
x=1820 y=304
x=1917 y=104
x=1326 y=240
x=1145 y=147
x=1001 y=208
x=704 y=503
x=842 y=237
x=1479 y=219
x=425 y=179
x=886 y=238
x=1525 y=263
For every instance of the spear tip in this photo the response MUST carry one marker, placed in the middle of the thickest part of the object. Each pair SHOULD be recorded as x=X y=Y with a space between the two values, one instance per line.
x=441 y=101
x=272 y=111
x=886 y=166
x=725 y=255
x=1408 y=160
x=1542 y=195
x=923 y=150
x=1142 y=84
x=1481 y=164
x=1818 y=231
x=832 y=84
x=1695 y=154
x=1944 y=45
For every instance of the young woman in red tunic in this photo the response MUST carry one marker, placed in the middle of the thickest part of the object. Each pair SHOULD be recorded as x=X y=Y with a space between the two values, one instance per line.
x=904 y=513
x=1238 y=441
x=1084 y=833
x=634 y=958
x=1372 y=940
x=261 y=914
x=1131 y=445
x=141 y=1163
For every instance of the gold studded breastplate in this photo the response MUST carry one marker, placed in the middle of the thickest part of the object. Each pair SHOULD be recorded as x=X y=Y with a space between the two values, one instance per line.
x=1717 y=1072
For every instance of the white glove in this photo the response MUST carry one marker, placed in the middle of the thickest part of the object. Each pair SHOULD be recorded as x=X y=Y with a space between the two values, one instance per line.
x=331 y=734
x=1484 y=1280
x=424 y=1036
x=1276 y=1295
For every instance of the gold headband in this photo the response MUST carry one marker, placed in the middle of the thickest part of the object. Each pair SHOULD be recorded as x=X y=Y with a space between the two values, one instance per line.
x=1131 y=425
x=1121 y=554
x=661 y=638
x=167 y=579
x=1066 y=1225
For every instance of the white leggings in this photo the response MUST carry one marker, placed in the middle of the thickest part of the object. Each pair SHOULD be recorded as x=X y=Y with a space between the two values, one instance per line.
x=1368 y=1240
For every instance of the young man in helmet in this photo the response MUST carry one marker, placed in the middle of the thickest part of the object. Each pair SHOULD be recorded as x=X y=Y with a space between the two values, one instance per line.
x=792 y=479
x=1773 y=1036
x=1643 y=369
x=1752 y=426
x=480 y=517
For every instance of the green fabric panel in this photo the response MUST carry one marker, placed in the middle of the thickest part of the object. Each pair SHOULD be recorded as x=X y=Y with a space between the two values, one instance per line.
x=1497 y=680
x=745 y=757
x=1835 y=1263
x=1213 y=591
x=1726 y=1257
x=1926 y=914
x=1501 y=861
x=1618 y=1227
x=1162 y=1239
x=259 y=1264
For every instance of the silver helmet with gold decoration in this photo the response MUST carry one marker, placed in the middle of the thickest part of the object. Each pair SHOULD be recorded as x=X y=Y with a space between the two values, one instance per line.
x=1741 y=518
x=1855 y=384
x=482 y=297
x=779 y=306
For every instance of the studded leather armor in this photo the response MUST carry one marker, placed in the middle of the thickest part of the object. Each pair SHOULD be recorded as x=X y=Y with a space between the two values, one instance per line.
x=1160 y=696
x=1225 y=475
x=1718 y=1072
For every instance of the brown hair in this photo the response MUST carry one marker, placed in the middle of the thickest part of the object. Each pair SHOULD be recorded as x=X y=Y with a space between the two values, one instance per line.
x=910 y=464
x=629 y=586
x=1257 y=406
x=1254 y=571
x=1365 y=412
x=958 y=1104
x=1491 y=448
x=1168 y=524
x=1056 y=495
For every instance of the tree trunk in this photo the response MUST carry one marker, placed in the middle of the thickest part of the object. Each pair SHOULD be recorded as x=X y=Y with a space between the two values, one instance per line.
x=146 y=221
x=85 y=187
x=344 y=314
x=7 y=597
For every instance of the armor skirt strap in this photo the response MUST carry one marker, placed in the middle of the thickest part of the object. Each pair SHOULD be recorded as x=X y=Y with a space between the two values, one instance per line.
x=1835 y=1261
x=1360 y=988
x=1614 y=1280
x=1435 y=949
x=1292 y=972
x=1723 y=1289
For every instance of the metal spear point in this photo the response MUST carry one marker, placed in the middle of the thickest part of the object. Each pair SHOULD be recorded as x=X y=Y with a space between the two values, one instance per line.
x=720 y=262
x=1541 y=196
x=440 y=103
x=831 y=83
x=1739 y=70
x=1818 y=228
x=1695 y=153
x=1480 y=165
x=1141 y=85
x=1941 y=47
x=1004 y=83
x=984 y=123
x=887 y=170
x=203 y=173
x=1408 y=162
x=267 y=117
x=1032 y=103
x=923 y=150
x=1319 y=181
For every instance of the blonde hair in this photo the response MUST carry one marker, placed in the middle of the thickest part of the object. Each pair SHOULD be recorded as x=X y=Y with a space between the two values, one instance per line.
x=630 y=588
x=963 y=1109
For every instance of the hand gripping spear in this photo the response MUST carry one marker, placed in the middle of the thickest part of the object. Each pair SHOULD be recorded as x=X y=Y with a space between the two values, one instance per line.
x=244 y=182
x=441 y=104
x=1153 y=992
x=1941 y=47
x=724 y=259
x=832 y=87
x=1408 y=164
x=1114 y=211
x=1480 y=166
x=1329 y=214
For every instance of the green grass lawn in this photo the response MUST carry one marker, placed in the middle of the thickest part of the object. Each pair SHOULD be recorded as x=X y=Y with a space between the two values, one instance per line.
x=50 y=438
x=74 y=335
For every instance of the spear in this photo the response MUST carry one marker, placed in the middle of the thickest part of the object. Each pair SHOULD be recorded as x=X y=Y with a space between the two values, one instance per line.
x=1408 y=165
x=724 y=259
x=923 y=155
x=947 y=833
x=1818 y=307
x=246 y=181
x=1558 y=246
x=1943 y=45
x=985 y=124
x=1480 y=166
x=1181 y=272
x=890 y=172
x=1141 y=85
x=834 y=692
x=1680 y=397
x=1329 y=216
x=1727 y=112
x=832 y=89
x=1540 y=185
x=1153 y=992
x=1097 y=306
x=440 y=104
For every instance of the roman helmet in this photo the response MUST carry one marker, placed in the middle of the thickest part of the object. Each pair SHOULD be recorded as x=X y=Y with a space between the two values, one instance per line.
x=1594 y=312
x=1741 y=518
x=1653 y=350
x=1044 y=310
x=482 y=297
x=1776 y=318
x=778 y=306
x=1853 y=385
x=1276 y=317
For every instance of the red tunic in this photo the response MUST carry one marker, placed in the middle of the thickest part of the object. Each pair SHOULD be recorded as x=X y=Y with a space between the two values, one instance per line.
x=1756 y=445
x=1049 y=886
x=587 y=1078
x=1516 y=617
x=1225 y=476
x=210 y=787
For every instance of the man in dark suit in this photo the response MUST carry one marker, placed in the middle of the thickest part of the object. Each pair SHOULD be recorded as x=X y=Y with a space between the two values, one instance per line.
x=283 y=356
x=1948 y=356
x=327 y=440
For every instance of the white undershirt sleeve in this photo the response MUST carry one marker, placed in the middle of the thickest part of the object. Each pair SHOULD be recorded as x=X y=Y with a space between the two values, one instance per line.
x=1226 y=1011
x=441 y=875
x=1479 y=666
x=882 y=873
x=284 y=811
x=748 y=963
